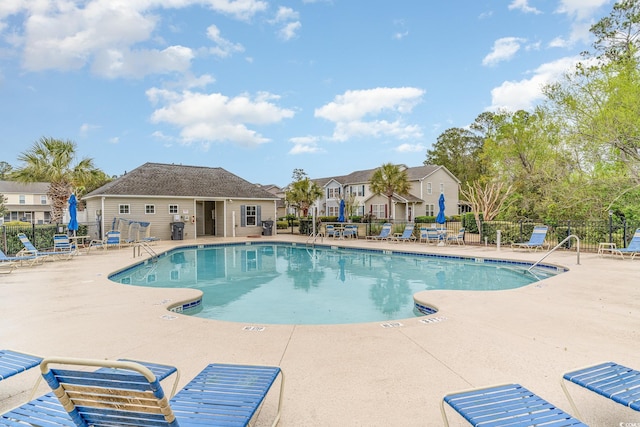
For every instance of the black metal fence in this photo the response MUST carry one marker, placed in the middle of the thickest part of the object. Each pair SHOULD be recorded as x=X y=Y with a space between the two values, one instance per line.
x=40 y=235
x=590 y=233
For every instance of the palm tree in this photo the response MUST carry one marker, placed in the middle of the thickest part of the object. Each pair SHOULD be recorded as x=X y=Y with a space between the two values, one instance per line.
x=52 y=160
x=302 y=194
x=389 y=179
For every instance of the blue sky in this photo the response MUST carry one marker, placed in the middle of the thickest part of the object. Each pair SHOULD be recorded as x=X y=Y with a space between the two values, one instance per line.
x=262 y=87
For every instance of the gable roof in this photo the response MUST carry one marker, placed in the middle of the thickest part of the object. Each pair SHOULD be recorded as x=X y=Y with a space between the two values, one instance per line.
x=364 y=176
x=158 y=179
x=24 y=187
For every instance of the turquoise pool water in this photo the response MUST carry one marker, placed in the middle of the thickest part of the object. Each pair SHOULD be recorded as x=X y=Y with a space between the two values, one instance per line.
x=289 y=284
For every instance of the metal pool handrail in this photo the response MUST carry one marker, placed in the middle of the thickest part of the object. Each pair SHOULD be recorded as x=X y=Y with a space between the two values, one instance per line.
x=557 y=246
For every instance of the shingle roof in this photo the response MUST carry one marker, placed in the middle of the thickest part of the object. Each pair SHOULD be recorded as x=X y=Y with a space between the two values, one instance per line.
x=158 y=179
x=363 y=176
x=24 y=188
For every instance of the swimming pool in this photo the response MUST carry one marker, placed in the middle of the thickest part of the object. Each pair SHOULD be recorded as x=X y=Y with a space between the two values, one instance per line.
x=294 y=284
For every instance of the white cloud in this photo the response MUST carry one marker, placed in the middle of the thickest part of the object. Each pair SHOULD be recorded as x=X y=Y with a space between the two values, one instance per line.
x=115 y=63
x=85 y=128
x=524 y=94
x=288 y=20
x=305 y=145
x=109 y=36
x=347 y=111
x=214 y=117
x=290 y=30
x=523 y=5
x=580 y=9
x=503 y=50
x=223 y=46
x=239 y=9
x=411 y=148
x=580 y=33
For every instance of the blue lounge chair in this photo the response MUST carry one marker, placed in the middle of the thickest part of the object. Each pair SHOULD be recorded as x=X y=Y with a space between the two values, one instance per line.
x=384 y=233
x=220 y=394
x=608 y=379
x=47 y=411
x=406 y=236
x=13 y=362
x=536 y=240
x=18 y=259
x=633 y=248
x=506 y=405
x=30 y=250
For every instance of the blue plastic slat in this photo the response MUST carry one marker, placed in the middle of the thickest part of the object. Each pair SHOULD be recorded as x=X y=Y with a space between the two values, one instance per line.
x=611 y=380
x=13 y=362
x=511 y=405
x=224 y=394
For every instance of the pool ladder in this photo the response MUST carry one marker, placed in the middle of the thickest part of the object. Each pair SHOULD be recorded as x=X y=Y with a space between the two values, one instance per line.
x=566 y=239
x=147 y=248
x=311 y=240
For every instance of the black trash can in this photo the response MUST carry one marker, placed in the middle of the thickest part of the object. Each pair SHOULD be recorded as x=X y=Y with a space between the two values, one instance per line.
x=267 y=228
x=177 y=230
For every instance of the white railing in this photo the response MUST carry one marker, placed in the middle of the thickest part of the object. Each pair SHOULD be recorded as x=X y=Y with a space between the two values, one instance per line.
x=572 y=236
x=144 y=245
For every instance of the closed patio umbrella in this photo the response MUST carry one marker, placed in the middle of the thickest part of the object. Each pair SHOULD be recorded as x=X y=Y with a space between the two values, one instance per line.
x=440 y=219
x=341 y=213
x=73 y=212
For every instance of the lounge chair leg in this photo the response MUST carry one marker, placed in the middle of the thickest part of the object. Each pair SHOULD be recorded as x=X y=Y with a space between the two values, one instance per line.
x=570 y=399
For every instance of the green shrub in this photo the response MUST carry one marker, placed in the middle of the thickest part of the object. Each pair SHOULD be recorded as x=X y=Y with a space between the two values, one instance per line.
x=426 y=219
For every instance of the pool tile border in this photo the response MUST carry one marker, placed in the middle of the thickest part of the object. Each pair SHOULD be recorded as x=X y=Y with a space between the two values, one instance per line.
x=422 y=308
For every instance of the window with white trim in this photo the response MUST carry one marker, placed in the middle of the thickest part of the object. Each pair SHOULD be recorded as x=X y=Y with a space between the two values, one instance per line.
x=430 y=209
x=149 y=209
x=333 y=211
x=23 y=199
x=251 y=215
x=173 y=209
x=124 y=209
x=378 y=211
x=442 y=188
x=333 y=193
x=43 y=200
x=429 y=188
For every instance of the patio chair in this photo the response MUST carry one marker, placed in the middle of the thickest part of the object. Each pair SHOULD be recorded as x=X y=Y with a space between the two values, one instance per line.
x=384 y=233
x=111 y=240
x=219 y=395
x=608 y=379
x=506 y=404
x=61 y=243
x=633 y=248
x=536 y=240
x=429 y=235
x=456 y=238
x=350 y=231
x=406 y=236
x=47 y=410
x=330 y=231
x=145 y=233
x=13 y=362
x=30 y=250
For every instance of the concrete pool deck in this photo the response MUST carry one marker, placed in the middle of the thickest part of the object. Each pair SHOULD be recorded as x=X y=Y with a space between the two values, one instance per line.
x=345 y=375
